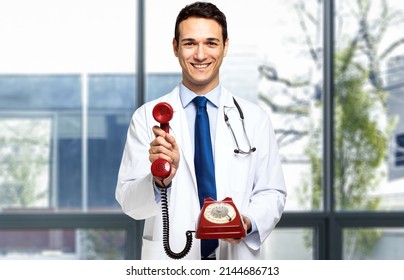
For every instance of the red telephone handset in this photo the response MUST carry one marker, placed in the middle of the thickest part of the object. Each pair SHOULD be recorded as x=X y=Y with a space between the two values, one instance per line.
x=160 y=168
x=162 y=113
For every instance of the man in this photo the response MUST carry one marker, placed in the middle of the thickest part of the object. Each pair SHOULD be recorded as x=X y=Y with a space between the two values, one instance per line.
x=251 y=176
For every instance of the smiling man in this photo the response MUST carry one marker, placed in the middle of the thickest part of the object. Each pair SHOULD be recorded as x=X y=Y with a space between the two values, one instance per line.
x=218 y=145
x=200 y=47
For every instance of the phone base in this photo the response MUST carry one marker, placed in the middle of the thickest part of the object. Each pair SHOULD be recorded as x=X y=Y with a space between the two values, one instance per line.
x=219 y=220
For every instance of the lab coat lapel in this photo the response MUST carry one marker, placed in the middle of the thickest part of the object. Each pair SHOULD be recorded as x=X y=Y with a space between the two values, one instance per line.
x=223 y=146
x=179 y=128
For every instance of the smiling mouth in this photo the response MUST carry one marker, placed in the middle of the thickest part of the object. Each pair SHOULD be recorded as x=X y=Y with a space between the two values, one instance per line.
x=200 y=66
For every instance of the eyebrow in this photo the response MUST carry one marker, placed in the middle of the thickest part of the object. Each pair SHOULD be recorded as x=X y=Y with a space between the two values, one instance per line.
x=210 y=39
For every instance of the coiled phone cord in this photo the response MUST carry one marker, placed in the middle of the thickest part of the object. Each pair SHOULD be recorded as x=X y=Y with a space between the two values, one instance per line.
x=166 y=230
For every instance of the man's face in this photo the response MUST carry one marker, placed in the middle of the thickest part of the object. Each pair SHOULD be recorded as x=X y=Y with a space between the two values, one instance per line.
x=200 y=52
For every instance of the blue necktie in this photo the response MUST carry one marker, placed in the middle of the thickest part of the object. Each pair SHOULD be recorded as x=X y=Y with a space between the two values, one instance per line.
x=204 y=166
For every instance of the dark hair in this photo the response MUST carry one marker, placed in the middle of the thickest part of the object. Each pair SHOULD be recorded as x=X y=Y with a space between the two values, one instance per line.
x=201 y=10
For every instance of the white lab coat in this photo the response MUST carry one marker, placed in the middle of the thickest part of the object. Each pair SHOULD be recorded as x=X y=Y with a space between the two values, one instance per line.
x=254 y=181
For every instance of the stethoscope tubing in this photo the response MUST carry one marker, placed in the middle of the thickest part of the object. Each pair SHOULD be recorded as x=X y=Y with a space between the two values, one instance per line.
x=241 y=114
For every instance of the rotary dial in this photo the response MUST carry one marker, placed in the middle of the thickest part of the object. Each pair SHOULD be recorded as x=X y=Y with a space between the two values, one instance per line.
x=220 y=213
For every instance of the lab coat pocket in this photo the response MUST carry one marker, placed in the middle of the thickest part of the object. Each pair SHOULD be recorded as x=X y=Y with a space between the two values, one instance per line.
x=152 y=250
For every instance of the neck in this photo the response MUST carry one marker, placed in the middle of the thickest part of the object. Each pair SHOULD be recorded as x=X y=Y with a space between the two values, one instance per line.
x=200 y=89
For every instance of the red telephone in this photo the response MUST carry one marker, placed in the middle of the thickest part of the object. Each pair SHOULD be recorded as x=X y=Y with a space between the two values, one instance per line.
x=217 y=220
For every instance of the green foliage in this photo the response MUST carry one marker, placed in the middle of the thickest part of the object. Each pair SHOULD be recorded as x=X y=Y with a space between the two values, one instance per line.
x=359 y=242
x=360 y=143
x=311 y=192
x=360 y=146
x=24 y=153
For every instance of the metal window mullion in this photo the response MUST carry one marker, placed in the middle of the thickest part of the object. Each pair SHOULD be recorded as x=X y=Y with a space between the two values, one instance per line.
x=328 y=107
x=140 y=55
x=333 y=231
x=84 y=142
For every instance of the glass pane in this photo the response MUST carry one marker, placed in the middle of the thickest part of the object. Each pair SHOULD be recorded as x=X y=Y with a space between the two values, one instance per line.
x=373 y=244
x=110 y=107
x=68 y=36
x=163 y=72
x=67 y=91
x=369 y=126
x=25 y=149
x=262 y=48
x=63 y=244
x=289 y=244
x=40 y=136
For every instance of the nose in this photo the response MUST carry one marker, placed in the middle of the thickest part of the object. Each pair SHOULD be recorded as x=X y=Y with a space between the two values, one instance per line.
x=200 y=53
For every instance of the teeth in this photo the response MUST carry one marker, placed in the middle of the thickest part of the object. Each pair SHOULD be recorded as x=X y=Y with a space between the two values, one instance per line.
x=200 y=66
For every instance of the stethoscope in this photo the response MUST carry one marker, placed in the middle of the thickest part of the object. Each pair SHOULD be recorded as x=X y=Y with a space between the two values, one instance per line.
x=238 y=150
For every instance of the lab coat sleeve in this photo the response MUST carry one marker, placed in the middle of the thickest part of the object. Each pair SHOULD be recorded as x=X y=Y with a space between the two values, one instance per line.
x=268 y=197
x=134 y=191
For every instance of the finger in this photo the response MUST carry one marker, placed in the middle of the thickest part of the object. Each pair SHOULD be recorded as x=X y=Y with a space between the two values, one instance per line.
x=160 y=149
x=154 y=157
x=174 y=147
x=161 y=152
x=160 y=141
x=170 y=139
x=158 y=131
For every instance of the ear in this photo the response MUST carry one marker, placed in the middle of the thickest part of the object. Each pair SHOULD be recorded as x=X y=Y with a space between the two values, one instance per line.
x=226 y=46
x=175 y=47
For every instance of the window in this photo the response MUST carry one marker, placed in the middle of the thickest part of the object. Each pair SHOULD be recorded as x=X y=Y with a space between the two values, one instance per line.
x=67 y=94
x=368 y=115
x=62 y=244
x=380 y=244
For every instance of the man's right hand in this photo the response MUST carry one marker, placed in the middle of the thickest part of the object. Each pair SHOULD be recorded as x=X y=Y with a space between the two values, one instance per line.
x=164 y=146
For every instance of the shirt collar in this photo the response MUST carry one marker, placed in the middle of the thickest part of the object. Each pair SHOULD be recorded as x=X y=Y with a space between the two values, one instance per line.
x=186 y=95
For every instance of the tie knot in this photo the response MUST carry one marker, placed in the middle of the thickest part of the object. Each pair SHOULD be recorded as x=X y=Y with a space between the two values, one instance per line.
x=200 y=101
